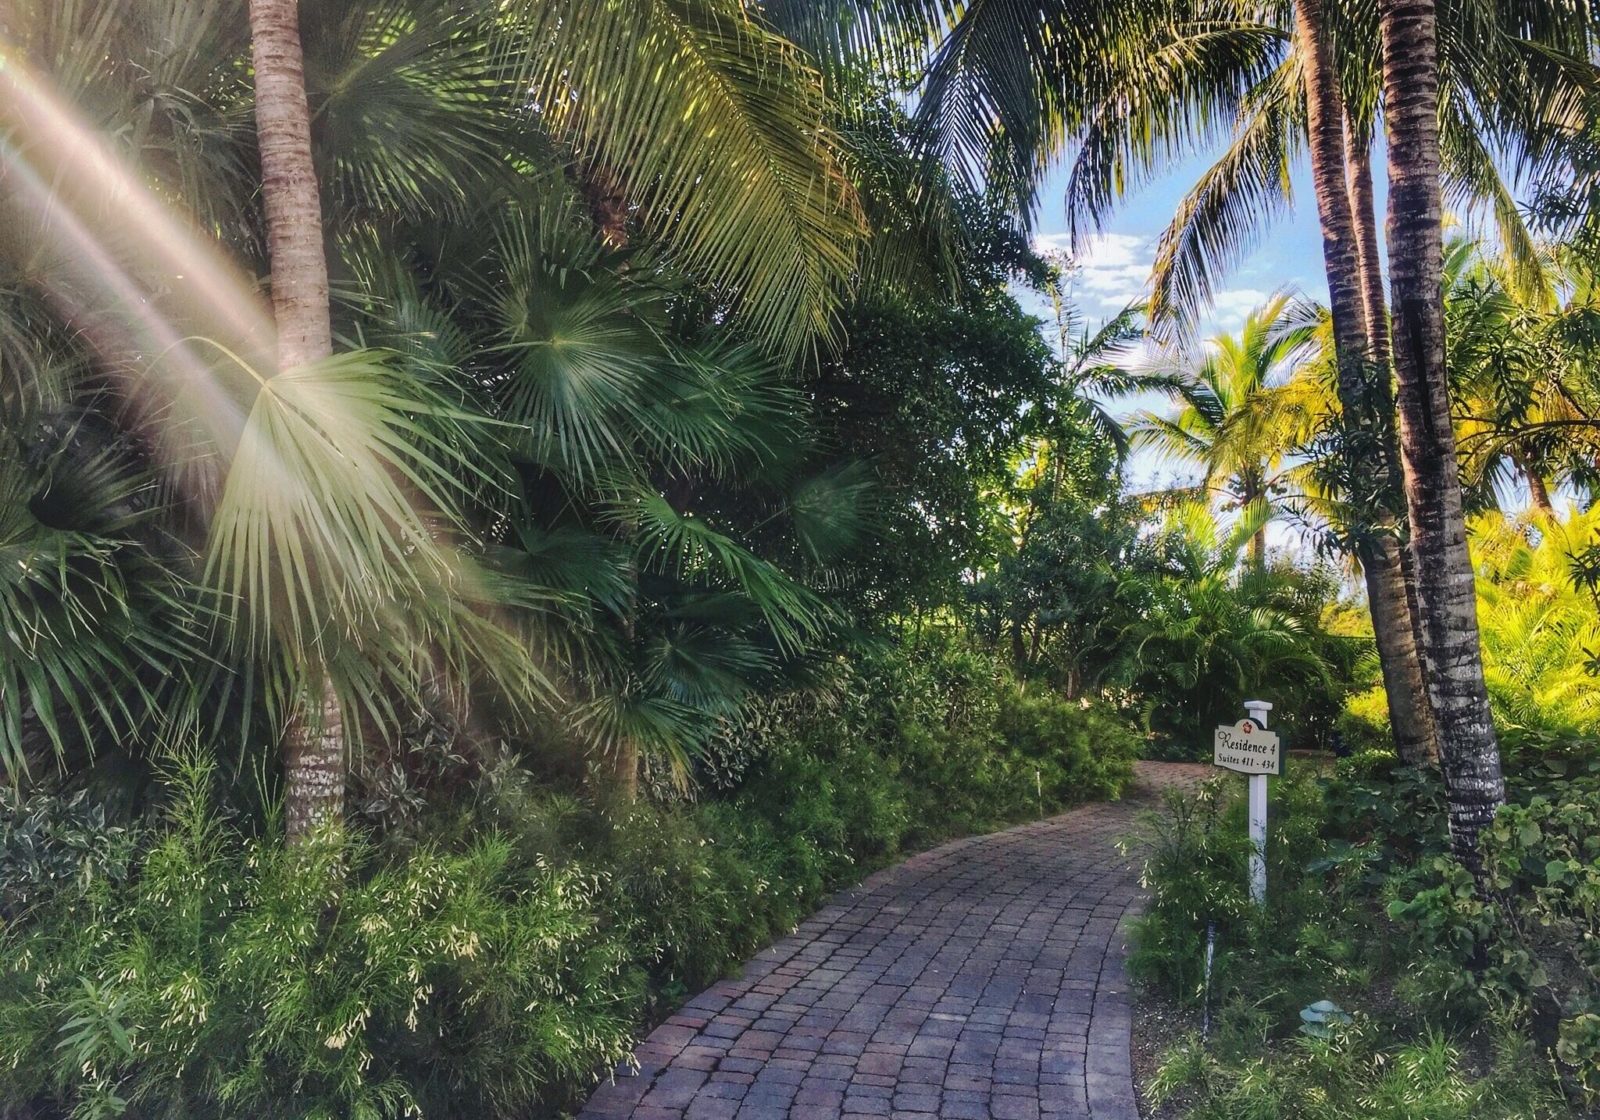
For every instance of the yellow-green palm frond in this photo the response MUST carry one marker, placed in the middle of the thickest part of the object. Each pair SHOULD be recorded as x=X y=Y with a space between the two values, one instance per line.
x=339 y=544
x=717 y=129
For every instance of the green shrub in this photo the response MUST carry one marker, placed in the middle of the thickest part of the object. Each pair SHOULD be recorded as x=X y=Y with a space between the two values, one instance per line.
x=1358 y=1072
x=1196 y=866
x=1464 y=1002
x=485 y=951
x=50 y=843
x=231 y=976
x=1364 y=723
x=1530 y=950
x=1084 y=752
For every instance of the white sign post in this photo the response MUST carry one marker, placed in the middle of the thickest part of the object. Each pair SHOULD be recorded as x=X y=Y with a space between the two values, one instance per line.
x=1249 y=748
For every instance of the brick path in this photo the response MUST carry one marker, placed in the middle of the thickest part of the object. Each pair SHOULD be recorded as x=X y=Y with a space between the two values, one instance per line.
x=981 y=979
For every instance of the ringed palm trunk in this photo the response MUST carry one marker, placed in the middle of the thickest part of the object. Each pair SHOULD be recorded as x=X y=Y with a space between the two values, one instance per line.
x=1360 y=337
x=1469 y=751
x=1364 y=211
x=313 y=739
x=1363 y=203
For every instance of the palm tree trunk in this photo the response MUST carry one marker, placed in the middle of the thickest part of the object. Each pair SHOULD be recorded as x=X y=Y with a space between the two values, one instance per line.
x=1538 y=489
x=625 y=772
x=1258 y=549
x=1364 y=209
x=1363 y=382
x=1363 y=203
x=1469 y=751
x=313 y=739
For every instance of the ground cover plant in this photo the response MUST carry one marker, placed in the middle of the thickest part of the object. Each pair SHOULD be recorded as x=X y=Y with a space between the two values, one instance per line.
x=1378 y=980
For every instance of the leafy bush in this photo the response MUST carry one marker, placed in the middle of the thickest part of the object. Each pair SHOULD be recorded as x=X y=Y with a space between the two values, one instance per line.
x=1357 y=1073
x=1268 y=962
x=1530 y=951
x=1364 y=722
x=231 y=976
x=1540 y=627
x=49 y=843
x=492 y=942
x=1082 y=751
x=1196 y=866
x=1463 y=1002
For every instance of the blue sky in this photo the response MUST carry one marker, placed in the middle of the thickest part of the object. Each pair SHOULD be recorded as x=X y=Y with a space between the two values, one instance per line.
x=1115 y=263
x=1112 y=268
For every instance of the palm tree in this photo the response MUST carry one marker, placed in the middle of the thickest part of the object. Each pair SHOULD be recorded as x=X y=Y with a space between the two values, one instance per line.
x=1360 y=339
x=1004 y=90
x=1304 y=100
x=1540 y=626
x=1236 y=422
x=313 y=741
x=355 y=524
x=1520 y=57
x=1469 y=751
x=1219 y=630
x=1522 y=372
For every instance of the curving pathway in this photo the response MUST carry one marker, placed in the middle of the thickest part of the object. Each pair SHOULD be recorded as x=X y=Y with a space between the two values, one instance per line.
x=980 y=979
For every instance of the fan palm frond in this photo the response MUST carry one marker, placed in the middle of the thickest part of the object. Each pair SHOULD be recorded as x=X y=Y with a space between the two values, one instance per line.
x=96 y=626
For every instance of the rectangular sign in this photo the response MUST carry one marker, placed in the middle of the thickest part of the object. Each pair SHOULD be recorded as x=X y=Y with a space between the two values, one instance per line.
x=1247 y=748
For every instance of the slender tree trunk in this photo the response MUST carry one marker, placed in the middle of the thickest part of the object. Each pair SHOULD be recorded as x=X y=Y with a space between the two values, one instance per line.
x=1363 y=203
x=1363 y=382
x=1469 y=751
x=313 y=740
x=625 y=771
x=1258 y=549
x=1364 y=210
x=1416 y=733
x=1538 y=490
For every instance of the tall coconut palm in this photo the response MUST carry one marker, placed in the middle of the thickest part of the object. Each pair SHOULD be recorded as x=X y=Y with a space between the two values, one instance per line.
x=1137 y=85
x=1323 y=95
x=1235 y=424
x=1469 y=750
x=1492 y=88
x=1360 y=340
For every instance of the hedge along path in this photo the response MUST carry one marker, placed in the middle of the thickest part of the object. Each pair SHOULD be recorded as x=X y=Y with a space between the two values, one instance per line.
x=980 y=979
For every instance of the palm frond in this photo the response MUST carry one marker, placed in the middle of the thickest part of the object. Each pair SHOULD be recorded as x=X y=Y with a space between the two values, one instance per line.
x=414 y=111
x=1223 y=215
x=96 y=626
x=1176 y=95
x=1472 y=178
x=689 y=548
x=718 y=129
x=336 y=503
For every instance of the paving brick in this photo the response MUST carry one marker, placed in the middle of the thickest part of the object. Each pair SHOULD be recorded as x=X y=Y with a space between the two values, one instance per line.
x=982 y=980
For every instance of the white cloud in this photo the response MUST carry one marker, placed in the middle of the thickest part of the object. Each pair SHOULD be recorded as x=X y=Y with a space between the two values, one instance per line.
x=1232 y=306
x=1111 y=270
x=1108 y=271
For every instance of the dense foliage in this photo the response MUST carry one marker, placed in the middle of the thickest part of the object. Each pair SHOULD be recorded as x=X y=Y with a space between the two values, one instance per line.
x=1378 y=981
x=491 y=953
x=687 y=514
